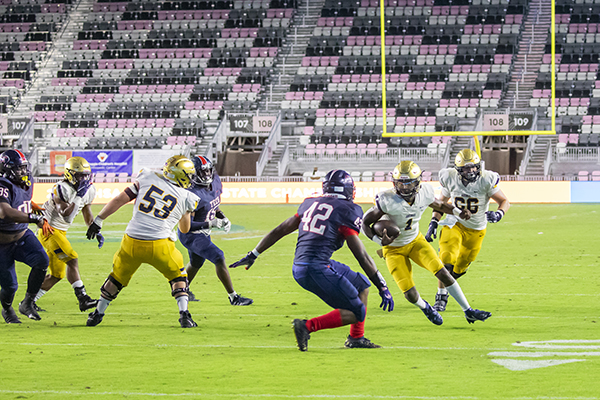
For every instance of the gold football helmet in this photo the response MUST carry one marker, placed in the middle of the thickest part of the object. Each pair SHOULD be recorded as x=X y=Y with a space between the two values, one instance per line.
x=77 y=171
x=179 y=171
x=468 y=165
x=407 y=180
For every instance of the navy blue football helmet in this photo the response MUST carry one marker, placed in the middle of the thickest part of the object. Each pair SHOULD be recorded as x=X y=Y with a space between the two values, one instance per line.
x=339 y=182
x=204 y=171
x=15 y=167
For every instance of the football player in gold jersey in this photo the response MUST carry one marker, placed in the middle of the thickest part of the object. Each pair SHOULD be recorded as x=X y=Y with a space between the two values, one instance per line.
x=404 y=204
x=74 y=194
x=161 y=203
x=468 y=187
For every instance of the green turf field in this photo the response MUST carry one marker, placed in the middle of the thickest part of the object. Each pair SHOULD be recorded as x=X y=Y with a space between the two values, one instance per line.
x=537 y=274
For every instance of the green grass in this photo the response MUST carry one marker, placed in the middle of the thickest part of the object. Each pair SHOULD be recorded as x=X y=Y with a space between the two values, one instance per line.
x=537 y=273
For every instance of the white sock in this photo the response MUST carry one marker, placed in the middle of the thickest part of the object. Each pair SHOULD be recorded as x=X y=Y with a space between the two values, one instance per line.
x=442 y=290
x=456 y=292
x=232 y=295
x=77 y=284
x=182 y=302
x=40 y=294
x=421 y=303
x=102 y=305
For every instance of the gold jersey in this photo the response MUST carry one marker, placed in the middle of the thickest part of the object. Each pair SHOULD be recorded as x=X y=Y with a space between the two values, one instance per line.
x=158 y=207
x=405 y=215
x=475 y=197
x=66 y=192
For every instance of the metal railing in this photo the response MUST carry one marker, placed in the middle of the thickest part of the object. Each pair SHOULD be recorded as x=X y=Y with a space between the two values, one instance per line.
x=269 y=146
x=574 y=155
x=393 y=155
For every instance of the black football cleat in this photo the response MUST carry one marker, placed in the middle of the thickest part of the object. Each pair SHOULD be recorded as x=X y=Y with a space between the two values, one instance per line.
x=185 y=320
x=360 y=343
x=10 y=316
x=240 y=301
x=302 y=334
x=94 y=318
x=86 y=302
x=432 y=315
x=441 y=300
x=192 y=297
x=476 y=315
x=26 y=307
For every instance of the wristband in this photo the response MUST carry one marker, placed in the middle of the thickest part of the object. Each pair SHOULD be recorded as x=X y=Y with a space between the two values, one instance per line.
x=456 y=211
x=501 y=211
x=98 y=221
x=435 y=219
x=376 y=239
x=255 y=252
x=381 y=280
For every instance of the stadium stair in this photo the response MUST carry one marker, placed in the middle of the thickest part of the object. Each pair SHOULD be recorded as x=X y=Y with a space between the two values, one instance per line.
x=291 y=53
x=530 y=51
x=536 y=159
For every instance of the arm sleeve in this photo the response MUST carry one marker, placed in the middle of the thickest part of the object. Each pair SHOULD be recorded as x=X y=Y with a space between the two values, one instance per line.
x=198 y=225
x=345 y=231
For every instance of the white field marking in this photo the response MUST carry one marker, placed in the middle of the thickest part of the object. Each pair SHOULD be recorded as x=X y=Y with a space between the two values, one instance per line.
x=288 y=396
x=234 y=346
x=543 y=353
x=243 y=237
x=561 y=344
x=523 y=365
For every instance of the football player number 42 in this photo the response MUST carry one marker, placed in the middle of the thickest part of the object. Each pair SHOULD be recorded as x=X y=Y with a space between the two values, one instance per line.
x=314 y=216
x=162 y=212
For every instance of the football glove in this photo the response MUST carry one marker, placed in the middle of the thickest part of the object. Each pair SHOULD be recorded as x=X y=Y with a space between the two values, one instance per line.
x=387 y=301
x=432 y=230
x=226 y=225
x=83 y=188
x=35 y=218
x=36 y=209
x=494 y=216
x=248 y=260
x=47 y=230
x=93 y=230
x=215 y=223
x=100 y=239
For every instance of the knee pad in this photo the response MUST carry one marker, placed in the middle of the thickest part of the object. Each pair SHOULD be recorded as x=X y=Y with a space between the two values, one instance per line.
x=105 y=293
x=176 y=291
x=455 y=275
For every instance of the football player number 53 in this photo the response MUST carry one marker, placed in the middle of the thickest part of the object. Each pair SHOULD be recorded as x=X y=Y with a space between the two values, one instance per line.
x=162 y=212
x=314 y=216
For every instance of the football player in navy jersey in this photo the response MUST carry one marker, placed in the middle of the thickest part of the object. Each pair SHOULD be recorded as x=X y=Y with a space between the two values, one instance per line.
x=207 y=185
x=324 y=224
x=17 y=241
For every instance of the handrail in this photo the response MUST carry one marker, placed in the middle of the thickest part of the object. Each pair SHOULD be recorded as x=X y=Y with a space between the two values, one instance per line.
x=284 y=162
x=216 y=144
x=525 y=161
x=269 y=146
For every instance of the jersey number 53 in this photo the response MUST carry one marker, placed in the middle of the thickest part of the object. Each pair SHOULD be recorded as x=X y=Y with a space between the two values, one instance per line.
x=169 y=203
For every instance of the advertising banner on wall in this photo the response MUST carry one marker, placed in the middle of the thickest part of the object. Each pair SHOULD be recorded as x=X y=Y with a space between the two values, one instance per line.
x=296 y=192
x=105 y=161
x=151 y=159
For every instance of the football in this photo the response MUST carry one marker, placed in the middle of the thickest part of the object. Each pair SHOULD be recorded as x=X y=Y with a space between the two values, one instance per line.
x=392 y=229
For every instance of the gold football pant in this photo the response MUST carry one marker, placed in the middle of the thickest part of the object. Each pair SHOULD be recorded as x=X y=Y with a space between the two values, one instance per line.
x=398 y=260
x=459 y=246
x=59 y=251
x=161 y=254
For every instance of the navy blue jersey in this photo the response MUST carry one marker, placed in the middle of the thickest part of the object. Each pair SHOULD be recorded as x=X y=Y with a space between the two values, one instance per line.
x=210 y=198
x=326 y=221
x=17 y=198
